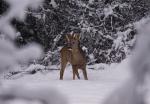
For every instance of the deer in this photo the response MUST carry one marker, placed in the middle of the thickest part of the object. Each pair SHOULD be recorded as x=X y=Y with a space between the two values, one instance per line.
x=73 y=53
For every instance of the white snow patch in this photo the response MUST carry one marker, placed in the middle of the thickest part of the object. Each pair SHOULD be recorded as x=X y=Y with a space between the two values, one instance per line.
x=35 y=67
x=91 y=1
x=100 y=84
x=53 y=3
x=108 y=11
x=10 y=55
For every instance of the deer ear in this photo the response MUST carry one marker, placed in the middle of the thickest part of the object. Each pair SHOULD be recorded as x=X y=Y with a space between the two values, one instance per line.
x=67 y=38
x=78 y=36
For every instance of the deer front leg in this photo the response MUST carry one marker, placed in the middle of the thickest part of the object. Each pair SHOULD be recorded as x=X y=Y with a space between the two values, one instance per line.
x=63 y=65
x=85 y=73
x=75 y=72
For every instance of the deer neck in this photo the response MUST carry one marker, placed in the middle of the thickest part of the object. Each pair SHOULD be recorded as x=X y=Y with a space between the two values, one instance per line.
x=76 y=53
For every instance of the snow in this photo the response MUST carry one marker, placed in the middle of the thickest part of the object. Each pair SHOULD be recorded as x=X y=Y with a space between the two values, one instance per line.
x=35 y=67
x=108 y=11
x=11 y=55
x=18 y=11
x=46 y=86
x=118 y=42
x=91 y=1
x=94 y=91
x=53 y=3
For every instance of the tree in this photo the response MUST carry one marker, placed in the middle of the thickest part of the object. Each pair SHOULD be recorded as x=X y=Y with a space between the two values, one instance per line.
x=99 y=23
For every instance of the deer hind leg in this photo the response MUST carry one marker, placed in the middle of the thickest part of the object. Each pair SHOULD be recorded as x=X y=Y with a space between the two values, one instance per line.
x=85 y=73
x=63 y=66
x=75 y=72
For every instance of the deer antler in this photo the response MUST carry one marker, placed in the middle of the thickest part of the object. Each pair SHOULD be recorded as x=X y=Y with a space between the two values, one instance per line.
x=78 y=36
x=74 y=35
x=67 y=38
x=71 y=33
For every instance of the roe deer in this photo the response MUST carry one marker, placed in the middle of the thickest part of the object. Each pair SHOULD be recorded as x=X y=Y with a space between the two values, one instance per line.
x=73 y=54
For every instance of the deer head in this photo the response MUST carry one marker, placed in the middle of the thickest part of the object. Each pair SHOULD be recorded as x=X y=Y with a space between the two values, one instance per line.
x=72 y=40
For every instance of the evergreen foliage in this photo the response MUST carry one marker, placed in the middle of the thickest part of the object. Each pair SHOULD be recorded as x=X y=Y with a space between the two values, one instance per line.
x=106 y=27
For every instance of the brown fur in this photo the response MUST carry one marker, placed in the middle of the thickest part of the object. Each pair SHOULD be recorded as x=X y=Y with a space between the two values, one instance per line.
x=73 y=54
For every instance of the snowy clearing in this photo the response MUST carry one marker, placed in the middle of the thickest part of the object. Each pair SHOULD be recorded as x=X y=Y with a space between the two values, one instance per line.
x=100 y=84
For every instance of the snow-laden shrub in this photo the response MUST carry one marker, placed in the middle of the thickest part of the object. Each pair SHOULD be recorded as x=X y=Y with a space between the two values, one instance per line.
x=136 y=89
x=51 y=58
x=11 y=56
x=101 y=26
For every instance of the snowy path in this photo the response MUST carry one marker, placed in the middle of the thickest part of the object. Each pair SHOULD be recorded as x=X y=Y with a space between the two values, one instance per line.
x=100 y=84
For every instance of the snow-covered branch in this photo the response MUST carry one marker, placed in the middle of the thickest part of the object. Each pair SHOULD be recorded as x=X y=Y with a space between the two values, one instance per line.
x=10 y=55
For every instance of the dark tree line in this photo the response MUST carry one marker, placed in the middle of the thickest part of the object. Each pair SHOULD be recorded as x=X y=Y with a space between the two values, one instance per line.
x=106 y=26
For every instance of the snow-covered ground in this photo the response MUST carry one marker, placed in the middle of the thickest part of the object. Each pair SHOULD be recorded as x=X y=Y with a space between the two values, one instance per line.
x=100 y=84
